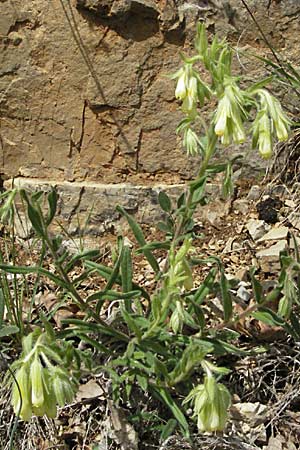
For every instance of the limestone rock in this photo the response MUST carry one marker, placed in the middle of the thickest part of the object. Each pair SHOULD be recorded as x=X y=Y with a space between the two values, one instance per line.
x=275 y=234
x=269 y=257
x=257 y=228
x=272 y=251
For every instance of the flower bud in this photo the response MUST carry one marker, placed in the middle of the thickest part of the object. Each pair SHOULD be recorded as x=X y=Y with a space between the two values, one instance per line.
x=191 y=142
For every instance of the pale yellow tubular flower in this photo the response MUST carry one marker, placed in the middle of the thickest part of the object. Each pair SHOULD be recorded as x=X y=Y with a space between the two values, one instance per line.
x=182 y=84
x=280 y=121
x=281 y=130
x=22 y=386
x=37 y=389
x=239 y=135
x=191 y=142
x=223 y=112
x=265 y=144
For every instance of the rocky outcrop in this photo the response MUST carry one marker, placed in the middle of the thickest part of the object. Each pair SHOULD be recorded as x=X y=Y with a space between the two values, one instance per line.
x=84 y=89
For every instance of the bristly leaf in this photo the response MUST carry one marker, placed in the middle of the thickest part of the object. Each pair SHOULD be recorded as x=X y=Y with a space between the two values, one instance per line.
x=257 y=287
x=168 y=429
x=205 y=287
x=226 y=296
x=131 y=323
x=268 y=317
x=35 y=219
x=87 y=254
x=126 y=269
x=164 y=202
x=106 y=272
x=2 y=305
x=52 y=202
x=7 y=330
x=33 y=269
x=138 y=234
x=174 y=408
x=181 y=200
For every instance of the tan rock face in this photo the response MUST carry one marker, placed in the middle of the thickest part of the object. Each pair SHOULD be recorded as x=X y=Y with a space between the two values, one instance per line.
x=84 y=93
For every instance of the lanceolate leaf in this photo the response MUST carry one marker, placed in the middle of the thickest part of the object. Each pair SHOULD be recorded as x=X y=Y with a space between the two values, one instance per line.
x=138 y=234
x=113 y=295
x=1 y=307
x=131 y=323
x=226 y=297
x=33 y=269
x=205 y=287
x=268 y=317
x=87 y=327
x=7 y=330
x=52 y=202
x=35 y=219
x=257 y=287
x=126 y=269
x=165 y=396
x=164 y=202
x=87 y=254
x=106 y=272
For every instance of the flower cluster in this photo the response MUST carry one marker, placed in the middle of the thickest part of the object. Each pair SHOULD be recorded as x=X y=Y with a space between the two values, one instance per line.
x=211 y=401
x=231 y=114
x=190 y=89
x=40 y=380
x=180 y=278
x=270 y=120
x=234 y=104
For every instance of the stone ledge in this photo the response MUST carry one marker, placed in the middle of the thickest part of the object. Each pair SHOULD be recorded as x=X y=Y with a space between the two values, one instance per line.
x=98 y=201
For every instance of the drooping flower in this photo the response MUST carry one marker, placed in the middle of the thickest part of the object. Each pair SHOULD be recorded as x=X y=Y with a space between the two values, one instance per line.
x=230 y=115
x=191 y=142
x=211 y=401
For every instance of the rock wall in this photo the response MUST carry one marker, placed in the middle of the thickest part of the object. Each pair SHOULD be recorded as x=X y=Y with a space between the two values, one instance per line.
x=84 y=93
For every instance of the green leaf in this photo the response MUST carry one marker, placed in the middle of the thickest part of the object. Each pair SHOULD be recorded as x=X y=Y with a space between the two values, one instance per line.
x=2 y=305
x=193 y=354
x=142 y=382
x=34 y=269
x=87 y=254
x=52 y=202
x=165 y=227
x=268 y=317
x=226 y=296
x=166 y=398
x=95 y=344
x=131 y=323
x=35 y=219
x=181 y=200
x=126 y=269
x=206 y=287
x=155 y=246
x=164 y=202
x=139 y=236
x=168 y=429
x=257 y=287
x=260 y=84
x=198 y=190
x=106 y=272
x=88 y=327
x=113 y=295
x=7 y=330
x=227 y=184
